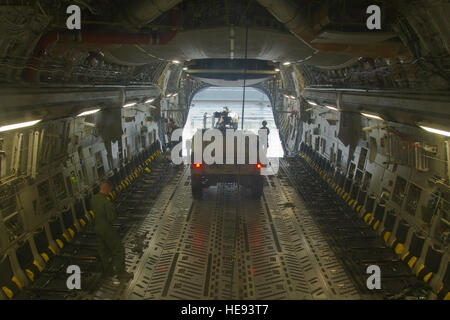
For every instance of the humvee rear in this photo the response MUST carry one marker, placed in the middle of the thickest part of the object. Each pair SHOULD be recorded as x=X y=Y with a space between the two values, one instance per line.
x=246 y=172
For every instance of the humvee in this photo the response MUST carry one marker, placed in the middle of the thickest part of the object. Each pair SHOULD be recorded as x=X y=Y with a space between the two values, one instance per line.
x=247 y=174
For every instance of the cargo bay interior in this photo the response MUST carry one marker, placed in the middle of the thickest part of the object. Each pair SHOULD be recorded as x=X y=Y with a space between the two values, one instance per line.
x=363 y=117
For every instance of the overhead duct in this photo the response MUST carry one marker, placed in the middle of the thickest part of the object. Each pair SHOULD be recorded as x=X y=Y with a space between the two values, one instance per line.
x=102 y=38
x=139 y=12
x=142 y=12
x=288 y=13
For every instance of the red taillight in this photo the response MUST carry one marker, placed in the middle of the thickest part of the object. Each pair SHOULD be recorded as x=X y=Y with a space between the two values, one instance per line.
x=259 y=165
x=198 y=165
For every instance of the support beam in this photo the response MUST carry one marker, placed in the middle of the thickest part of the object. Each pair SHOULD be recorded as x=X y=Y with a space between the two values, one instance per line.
x=58 y=102
x=398 y=106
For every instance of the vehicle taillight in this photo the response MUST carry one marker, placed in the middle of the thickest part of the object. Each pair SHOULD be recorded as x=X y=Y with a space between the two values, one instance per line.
x=198 y=165
x=259 y=165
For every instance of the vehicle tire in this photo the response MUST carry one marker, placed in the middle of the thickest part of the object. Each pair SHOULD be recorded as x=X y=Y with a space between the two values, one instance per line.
x=196 y=187
x=257 y=189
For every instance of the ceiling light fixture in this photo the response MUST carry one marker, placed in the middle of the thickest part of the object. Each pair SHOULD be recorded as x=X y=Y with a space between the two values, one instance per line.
x=185 y=69
x=331 y=107
x=277 y=70
x=18 y=125
x=372 y=116
x=433 y=130
x=286 y=63
x=86 y=113
x=130 y=104
x=176 y=61
x=312 y=103
x=292 y=97
x=150 y=100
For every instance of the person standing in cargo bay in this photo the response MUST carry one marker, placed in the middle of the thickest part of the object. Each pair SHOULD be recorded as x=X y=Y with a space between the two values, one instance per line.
x=264 y=127
x=109 y=244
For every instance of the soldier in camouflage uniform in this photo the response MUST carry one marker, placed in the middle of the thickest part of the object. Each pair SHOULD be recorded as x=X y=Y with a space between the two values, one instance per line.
x=108 y=239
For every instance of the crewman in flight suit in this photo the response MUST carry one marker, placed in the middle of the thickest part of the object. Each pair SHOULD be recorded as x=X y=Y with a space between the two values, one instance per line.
x=264 y=127
x=108 y=239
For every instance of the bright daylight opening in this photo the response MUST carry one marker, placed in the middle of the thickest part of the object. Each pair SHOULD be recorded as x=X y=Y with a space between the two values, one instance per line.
x=215 y=99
